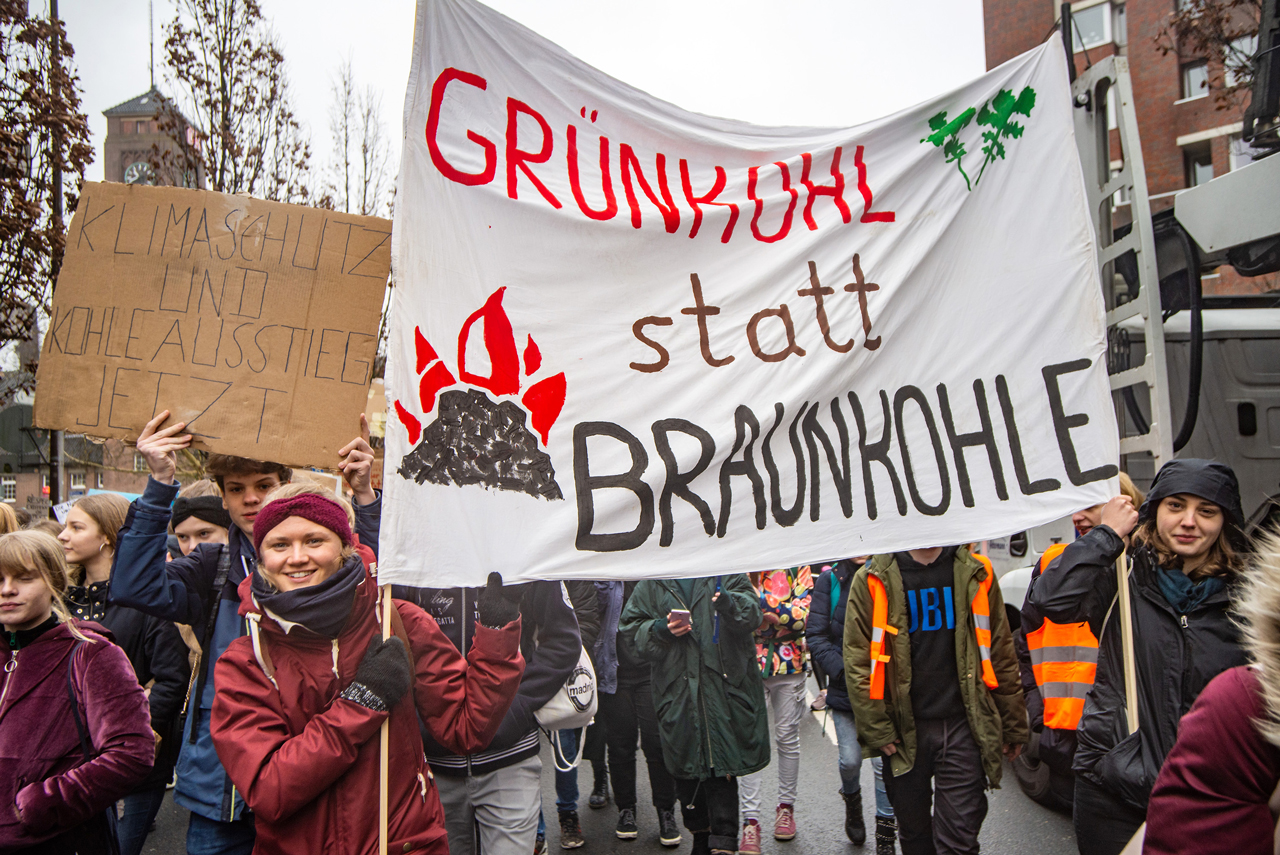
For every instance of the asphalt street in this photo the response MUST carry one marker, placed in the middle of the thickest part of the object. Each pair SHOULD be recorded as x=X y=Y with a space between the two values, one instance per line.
x=1014 y=824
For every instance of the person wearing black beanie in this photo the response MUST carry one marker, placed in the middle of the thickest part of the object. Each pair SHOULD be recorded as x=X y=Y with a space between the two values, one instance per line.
x=1184 y=573
x=198 y=519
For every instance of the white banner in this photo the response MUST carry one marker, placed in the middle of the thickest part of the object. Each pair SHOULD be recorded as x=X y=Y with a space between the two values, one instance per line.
x=631 y=341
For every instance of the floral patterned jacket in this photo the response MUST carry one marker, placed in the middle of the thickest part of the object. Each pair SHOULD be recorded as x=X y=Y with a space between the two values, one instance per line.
x=780 y=648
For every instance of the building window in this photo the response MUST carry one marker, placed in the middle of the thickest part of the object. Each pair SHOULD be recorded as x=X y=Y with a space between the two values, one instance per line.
x=1238 y=59
x=1199 y=164
x=1090 y=26
x=140 y=463
x=77 y=480
x=101 y=480
x=1195 y=79
x=9 y=489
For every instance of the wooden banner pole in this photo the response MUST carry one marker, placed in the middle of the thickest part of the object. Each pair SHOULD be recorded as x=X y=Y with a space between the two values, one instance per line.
x=384 y=762
x=1126 y=641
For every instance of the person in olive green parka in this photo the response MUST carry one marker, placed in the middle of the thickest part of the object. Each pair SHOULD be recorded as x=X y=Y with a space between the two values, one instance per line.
x=996 y=717
x=708 y=693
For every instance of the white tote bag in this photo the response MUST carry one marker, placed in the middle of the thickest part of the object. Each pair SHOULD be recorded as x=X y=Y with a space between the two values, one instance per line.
x=571 y=708
x=574 y=706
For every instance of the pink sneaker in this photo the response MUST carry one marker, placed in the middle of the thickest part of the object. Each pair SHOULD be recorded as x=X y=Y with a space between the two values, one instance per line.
x=784 y=826
x=750 y=843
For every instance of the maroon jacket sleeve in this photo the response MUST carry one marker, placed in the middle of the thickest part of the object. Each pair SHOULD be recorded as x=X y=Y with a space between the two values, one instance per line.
x=114 y=710
x=462 y=702
x=278 y=773
x=1211 y=795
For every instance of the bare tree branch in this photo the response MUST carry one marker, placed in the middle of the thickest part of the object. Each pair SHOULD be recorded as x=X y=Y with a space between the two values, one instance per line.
x=358 y=176
x=231 y=113
x=40 y=119
x=1215 y=30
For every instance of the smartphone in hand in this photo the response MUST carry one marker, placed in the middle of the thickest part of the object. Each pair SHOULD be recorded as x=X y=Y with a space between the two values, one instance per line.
x=681 y=616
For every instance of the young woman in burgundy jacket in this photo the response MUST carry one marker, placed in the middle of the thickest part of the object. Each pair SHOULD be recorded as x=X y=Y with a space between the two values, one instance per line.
x=301 y=699
x=53 y=798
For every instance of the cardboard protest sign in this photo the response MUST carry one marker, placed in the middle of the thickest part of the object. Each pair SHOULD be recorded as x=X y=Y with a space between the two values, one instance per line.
x=254 y=322
x=631 y=341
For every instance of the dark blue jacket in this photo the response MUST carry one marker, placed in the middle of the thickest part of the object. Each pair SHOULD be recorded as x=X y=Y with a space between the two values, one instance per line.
x=824 y=632
x=181 y=591
x=551 y=645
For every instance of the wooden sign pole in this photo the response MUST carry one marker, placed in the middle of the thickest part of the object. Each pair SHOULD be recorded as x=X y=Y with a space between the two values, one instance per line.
x=1126 y=641
x=384 y=762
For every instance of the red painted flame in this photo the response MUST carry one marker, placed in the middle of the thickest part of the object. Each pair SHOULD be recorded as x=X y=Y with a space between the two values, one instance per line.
x=499 y=341
x=436 y=378
x=423 y=350
x=412 y=425
x=544 y=400
x=532 y=358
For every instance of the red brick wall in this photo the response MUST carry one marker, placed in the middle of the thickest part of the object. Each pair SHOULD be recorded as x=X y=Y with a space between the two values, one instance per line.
x=1014 y=26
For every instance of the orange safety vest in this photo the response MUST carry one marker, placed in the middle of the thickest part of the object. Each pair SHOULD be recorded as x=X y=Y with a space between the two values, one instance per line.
x=1064 y=659
x=980 y=607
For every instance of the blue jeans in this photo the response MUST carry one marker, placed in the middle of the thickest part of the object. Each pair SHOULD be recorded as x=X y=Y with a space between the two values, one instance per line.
x=140 y=809
x=851 y=762
x=210 y=837
x=566 y=782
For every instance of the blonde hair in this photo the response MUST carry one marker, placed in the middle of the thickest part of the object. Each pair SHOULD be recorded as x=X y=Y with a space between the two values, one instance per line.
x=107 y=510
x=1128 y=488
x=8 y=518
x=48 y=526
x=1259 y=611
x=196 y=489
x=35 y=551
x=301 y=487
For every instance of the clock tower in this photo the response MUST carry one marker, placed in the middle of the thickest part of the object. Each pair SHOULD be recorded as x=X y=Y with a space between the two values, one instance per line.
x=132 y=130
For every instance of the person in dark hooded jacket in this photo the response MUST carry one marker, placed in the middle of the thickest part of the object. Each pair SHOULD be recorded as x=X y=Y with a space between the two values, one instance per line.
x=825 y=635
x=154 y=647
x=1183 y=570
x=492 y=796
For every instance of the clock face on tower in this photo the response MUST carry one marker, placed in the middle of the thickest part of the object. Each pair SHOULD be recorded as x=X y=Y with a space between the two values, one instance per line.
x=139 y=172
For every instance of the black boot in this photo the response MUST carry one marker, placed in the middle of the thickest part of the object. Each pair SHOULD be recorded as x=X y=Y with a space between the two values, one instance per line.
x=854 y=828
x=600 y=792
x=701 y=843
x=886 y=834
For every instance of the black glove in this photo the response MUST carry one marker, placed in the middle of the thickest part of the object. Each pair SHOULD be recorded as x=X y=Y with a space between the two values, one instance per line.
x=383 y=676
x=498 y=606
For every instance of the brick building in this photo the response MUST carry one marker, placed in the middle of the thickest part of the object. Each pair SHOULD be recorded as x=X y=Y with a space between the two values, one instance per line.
x=133 y=129
x=88 y=464
x=1186 y=138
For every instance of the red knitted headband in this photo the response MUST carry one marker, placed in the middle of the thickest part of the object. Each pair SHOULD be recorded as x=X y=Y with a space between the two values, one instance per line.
x=310 y=506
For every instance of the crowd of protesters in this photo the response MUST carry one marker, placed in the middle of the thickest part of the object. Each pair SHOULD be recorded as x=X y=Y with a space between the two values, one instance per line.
x=232 y=636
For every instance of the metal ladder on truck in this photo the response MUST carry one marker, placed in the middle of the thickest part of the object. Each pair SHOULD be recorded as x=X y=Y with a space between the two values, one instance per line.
x=1131 y=259
x=1127 y=264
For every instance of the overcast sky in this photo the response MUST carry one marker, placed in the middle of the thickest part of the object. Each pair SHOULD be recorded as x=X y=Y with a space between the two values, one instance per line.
x=810 y=62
